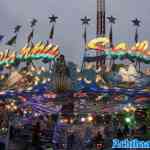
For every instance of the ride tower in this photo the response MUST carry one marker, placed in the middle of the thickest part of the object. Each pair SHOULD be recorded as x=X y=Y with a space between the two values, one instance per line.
x=101 y=13
x=101 y=30
x=92 y=57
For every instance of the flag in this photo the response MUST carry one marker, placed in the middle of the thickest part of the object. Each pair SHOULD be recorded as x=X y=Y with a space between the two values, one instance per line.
x=17 y=28
x=33 y=23
x=136 y=36
x=30 y=36
x=51 y=35
x=111 y=37
x=85 y=36
x=1 y=37
x=12 y=41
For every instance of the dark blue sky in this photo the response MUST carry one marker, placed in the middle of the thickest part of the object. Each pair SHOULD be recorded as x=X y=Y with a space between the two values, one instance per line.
x=68 y=29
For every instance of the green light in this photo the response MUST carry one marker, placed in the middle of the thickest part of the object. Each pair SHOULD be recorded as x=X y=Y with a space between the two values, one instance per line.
x=128 y=120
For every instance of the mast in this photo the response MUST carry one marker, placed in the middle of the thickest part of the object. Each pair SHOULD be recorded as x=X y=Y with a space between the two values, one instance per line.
x=101 y=17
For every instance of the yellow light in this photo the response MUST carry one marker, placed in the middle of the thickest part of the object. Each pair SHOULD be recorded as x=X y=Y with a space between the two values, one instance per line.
x=90 y=118
x=29 y=89
x=79 y=79
x=44 y=81
x=65 y=120
x=88 y=66
x=15 y=107
x=12 y=104
x=36 y=83
x=98 y=70
x=121 y=46
x=103 y=41
x=99 y=98
x=87 y=81
x=8 y=107
x=37 y=78
x=32 y=68
x=2 y=77
x=98 y=78
x=126 y=109
x=78 y=70
x=43 y=69
x=71 y=121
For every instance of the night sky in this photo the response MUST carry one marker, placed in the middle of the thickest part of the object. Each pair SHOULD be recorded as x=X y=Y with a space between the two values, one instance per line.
x=68 y=29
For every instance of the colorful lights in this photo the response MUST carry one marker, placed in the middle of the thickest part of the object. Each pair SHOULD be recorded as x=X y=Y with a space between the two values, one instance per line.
x=88 y=119
x=39 y=51
x=11 y=106
x=98 y=43
x=129 y=108
x=137 y=52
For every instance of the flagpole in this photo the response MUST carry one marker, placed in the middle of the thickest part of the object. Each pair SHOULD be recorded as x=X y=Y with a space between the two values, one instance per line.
x=85 y=48
x=30 y=39
x=12 y=42
x=136 y=22
x=85 y=21
x=52 y=22
x=112 y=20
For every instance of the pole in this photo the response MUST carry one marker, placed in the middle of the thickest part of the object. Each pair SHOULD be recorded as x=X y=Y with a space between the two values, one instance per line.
x=100 y=28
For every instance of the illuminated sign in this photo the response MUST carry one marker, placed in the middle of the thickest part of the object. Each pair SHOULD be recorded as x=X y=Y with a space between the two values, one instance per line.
x=7 y=56
x=101 y=43
x=98 y=43
x=40 y=49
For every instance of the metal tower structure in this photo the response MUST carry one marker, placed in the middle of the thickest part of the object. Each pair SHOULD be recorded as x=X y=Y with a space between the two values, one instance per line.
x=98 y=59
x=101 y=29
x=101 y=18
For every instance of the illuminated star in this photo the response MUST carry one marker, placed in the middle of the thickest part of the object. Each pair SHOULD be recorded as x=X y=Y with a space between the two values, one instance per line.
x=111 y=19
x=85 y=20
x=53 y=18
x=136 y=22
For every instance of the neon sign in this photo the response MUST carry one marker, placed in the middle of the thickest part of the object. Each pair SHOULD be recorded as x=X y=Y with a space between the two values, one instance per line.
x=101 y=44
x=40 y=49
x=6 y=57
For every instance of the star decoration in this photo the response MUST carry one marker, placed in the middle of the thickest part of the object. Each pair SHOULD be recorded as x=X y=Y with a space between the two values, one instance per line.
x=111 y=19
x=17 y=28
x=136 y=22
x=33 y=22
x=53 y=18
x=85 y=20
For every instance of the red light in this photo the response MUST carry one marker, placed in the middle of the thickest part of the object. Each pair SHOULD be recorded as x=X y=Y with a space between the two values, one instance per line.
x=99 y=146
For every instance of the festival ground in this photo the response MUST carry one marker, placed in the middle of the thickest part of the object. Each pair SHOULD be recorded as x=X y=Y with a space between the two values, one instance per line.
x=50 y=103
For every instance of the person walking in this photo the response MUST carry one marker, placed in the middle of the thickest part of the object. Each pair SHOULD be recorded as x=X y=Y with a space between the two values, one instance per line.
x=36 y=136
x=88 y=139
x=98 y=141
x=70 y=140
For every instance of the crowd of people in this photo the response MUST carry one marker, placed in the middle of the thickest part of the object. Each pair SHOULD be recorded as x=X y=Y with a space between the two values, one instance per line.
x=86 y=136
x=46 y=132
